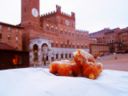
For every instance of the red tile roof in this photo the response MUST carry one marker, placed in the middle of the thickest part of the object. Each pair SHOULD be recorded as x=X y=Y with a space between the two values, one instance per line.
x=6 y=24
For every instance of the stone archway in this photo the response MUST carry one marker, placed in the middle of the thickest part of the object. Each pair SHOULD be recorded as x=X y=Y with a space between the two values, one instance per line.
x=35 y=54
x=44 y=49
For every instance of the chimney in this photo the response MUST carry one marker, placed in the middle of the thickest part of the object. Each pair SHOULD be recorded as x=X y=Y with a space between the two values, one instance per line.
x=73 y=15
x=58 y=9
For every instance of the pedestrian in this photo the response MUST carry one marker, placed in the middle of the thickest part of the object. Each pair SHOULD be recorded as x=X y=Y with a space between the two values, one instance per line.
x=115 y=56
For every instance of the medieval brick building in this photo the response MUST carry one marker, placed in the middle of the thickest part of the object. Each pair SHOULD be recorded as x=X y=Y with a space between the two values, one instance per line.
x=109 y=41
x=48 y=37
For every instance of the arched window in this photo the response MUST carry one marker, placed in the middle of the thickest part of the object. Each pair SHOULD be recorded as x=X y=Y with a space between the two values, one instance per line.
x=44 y=47
x=45 y=57
x=70 y=55
x=61 y=46
x=66 y=56
x=56 y=45
x=56 y=56
x=61 y=56
x=52 y=58
x=35 y=52
x=52 y=44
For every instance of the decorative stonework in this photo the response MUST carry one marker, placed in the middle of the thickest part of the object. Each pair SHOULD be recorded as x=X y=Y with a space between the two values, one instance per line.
x=52 y=53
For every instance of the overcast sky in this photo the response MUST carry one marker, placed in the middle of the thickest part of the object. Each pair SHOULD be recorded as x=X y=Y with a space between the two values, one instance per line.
x=91 y=15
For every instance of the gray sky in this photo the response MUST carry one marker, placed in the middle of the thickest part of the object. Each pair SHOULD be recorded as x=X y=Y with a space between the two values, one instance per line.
x=91 y=15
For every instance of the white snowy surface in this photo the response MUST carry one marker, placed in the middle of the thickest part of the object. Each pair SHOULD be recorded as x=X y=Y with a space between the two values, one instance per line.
x=39 y=82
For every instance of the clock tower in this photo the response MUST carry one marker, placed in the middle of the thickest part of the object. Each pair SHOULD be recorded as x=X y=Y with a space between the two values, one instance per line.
x=30 y=13
x=30 y=20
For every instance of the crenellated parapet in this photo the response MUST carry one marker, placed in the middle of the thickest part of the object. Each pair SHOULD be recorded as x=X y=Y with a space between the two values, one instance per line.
x=83 y=31
x=49 y=14
x=60 y=13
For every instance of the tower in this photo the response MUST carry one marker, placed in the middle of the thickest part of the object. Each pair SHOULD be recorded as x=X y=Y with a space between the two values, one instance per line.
x=30 y=12
x=30 y=19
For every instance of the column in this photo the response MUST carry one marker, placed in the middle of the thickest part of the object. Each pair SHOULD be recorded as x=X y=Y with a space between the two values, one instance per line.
x=40 y=57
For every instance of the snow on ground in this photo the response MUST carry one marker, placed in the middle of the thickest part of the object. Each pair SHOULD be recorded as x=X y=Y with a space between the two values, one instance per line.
x=39 y=82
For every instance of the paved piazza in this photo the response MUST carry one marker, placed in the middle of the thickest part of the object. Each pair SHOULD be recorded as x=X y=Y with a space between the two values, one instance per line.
x=110 y=62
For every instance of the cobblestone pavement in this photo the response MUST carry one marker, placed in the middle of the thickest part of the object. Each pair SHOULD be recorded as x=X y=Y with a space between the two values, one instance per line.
x=118 y=62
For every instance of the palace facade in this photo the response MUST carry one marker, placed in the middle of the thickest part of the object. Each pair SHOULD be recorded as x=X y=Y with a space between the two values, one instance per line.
x=47 y=37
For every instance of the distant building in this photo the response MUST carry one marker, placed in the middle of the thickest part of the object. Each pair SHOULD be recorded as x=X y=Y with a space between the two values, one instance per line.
x=115 y=39
x=52 y=36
